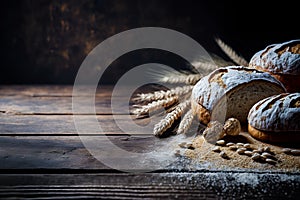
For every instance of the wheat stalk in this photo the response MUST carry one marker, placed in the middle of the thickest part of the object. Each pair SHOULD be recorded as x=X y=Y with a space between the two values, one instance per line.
x=231 y=53
x=220 y=61
x=186 y=122
x=167 y=122
x=155 y=105
x=204 y=67
x=190 y=79
x=157 y=95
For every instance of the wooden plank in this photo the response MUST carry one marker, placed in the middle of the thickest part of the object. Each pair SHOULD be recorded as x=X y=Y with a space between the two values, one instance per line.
x=50 y=90
x=34 y=100
x=68 y=152
x=55 y=99
x=58 y=105
x=64 y=124
x=67 y=90
x=203 y=185
x=145 y=153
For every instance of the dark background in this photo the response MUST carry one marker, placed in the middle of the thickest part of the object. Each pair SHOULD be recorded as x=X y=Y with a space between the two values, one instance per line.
x=45 y=42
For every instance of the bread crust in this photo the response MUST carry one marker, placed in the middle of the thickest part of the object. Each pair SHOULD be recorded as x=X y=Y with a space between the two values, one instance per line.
x=282 y=58
x=213 y=90
x=282 y=61
x=277 y=113
x=275 y=137
x=202 y=113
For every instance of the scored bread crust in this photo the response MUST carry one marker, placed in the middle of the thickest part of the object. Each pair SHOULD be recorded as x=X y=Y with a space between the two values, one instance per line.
x=230 y=92
x=282 y=58
x=277 y=113
x=282 y=61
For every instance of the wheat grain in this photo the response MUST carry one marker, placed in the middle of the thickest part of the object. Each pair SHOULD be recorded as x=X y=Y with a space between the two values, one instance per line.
x=155 y=105
x=231 y=53
x=186 y=122
x=157 y=95
x=167 y=122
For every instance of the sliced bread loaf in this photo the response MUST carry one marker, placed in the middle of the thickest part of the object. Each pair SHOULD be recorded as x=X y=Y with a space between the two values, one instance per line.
x=231 y=92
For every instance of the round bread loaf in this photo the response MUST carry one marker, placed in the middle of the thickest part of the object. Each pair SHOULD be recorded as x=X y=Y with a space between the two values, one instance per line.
x=231 y=92
x=276 y=118
x=282 y=61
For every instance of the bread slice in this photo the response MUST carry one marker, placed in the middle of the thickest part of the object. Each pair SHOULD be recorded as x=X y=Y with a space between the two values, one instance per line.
x=282 y=61
x=231 y=92
x=276 y=118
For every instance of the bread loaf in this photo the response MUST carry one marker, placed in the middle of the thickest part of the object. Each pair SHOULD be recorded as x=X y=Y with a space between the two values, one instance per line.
x=282 y=61
x=231 y=92
x=276 y=118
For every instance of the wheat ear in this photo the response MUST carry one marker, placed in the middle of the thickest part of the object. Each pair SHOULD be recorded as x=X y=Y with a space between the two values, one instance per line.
x=157 y=95
x=204 y=67
x=220 y=61
x=155 y=105
x=186 y=122
x=190 y=79
x=167 y=122
x=231 y=53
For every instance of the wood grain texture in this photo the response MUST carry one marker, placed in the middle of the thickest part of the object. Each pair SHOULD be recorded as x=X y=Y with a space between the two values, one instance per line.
x=213 y=185
x=50 y=90
x=65 y=125
x=67 y=152
x=58 y=105
x=67 y=90
x=57 y=100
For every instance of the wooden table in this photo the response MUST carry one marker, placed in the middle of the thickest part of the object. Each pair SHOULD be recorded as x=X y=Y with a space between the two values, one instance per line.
x=42 y=156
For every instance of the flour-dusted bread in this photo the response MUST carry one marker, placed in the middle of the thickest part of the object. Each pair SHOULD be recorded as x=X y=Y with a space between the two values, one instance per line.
x=282 y=61
x=276 y=118
x=231 y=92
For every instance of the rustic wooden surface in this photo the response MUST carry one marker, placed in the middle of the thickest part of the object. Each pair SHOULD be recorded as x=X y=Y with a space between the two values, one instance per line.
x=42 y=156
